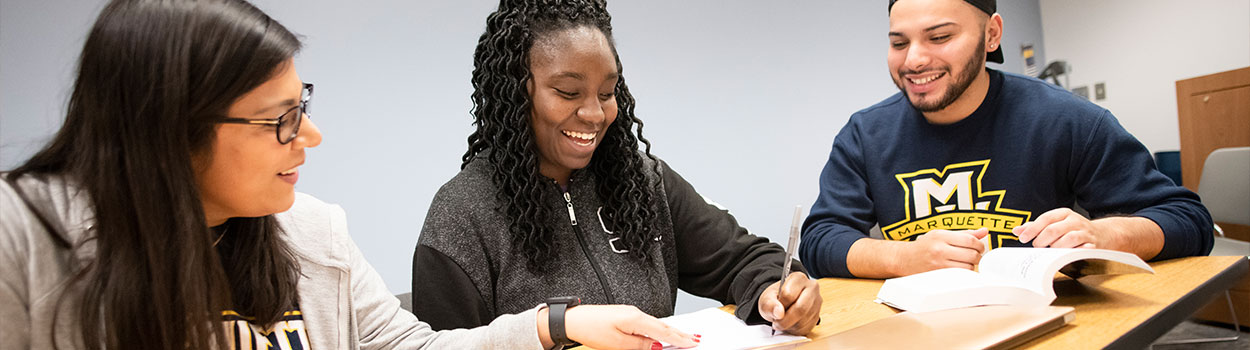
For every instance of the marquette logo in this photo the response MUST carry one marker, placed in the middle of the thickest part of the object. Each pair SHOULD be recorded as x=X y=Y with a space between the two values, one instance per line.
x=953 y=199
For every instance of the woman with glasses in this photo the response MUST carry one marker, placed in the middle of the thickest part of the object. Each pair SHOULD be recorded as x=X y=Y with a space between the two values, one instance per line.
x=554 y=197
x=163 y=213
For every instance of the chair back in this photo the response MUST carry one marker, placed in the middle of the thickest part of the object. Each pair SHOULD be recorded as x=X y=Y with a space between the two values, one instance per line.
x=1225 y=185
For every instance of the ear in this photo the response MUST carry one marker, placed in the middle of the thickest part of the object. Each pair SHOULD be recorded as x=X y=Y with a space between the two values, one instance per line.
x=993 y=33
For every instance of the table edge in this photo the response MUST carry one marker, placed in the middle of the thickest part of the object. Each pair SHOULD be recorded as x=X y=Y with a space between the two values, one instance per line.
x=1154 y=327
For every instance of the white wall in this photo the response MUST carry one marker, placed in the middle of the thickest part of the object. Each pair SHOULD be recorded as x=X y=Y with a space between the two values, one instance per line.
x=1140 y=48
x=742 y=97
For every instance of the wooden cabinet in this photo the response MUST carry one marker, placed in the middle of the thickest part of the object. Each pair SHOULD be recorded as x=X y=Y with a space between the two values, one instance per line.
x=1215 y=113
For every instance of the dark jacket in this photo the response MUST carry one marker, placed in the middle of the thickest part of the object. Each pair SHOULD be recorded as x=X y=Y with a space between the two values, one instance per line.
x=465 y=272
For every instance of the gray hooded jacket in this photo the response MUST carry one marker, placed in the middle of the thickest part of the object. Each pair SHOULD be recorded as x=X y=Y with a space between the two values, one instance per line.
x=467 y=273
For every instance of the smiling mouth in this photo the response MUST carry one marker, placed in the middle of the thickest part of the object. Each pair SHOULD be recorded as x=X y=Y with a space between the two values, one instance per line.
x=925 y=79
x=580 y=138
x=288 y=172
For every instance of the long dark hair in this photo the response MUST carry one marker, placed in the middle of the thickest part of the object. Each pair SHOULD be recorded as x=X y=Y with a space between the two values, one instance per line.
x=151 y=76
x=502 y=114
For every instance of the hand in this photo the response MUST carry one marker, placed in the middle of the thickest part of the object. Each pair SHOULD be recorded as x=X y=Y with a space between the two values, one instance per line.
x=796 y=309
x=1060 y=228
x=939 y=249
x=614 y=327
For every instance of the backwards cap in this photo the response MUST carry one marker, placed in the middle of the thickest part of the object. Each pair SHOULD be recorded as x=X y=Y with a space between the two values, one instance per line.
x=989 y=7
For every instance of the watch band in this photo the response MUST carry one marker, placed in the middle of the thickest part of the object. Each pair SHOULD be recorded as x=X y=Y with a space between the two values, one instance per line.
x=555 y=318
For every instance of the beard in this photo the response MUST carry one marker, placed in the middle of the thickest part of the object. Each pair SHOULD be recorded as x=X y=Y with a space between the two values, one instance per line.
x=954 y=89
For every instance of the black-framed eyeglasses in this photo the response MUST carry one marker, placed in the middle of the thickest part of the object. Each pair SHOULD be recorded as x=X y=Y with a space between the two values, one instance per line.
x=287 y=123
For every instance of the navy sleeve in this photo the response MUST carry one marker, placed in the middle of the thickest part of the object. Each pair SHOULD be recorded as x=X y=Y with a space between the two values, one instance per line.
x=1115 y=175
x=843 y=212
x=717 y=258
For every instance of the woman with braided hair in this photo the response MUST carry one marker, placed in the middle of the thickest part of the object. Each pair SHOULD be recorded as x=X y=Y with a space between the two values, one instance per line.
x=555 y=198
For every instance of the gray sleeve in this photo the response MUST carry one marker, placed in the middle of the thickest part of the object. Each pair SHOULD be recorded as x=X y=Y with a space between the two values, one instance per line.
x=15 y=220
x=382 y=324
x=450 y=266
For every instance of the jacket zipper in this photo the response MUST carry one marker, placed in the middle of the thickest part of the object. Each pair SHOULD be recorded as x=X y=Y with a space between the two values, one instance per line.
x=577 y=231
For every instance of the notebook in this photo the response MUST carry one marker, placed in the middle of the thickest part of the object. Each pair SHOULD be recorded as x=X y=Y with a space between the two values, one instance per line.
x=982 y=327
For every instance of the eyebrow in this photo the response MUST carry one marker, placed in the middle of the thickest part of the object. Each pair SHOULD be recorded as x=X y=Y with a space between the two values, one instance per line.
x=929 y=29
x=288 y=103
x=574 y=75
x=579 y=76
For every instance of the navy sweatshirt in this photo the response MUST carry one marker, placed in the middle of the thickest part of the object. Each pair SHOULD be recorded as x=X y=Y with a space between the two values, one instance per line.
x=1029 y=148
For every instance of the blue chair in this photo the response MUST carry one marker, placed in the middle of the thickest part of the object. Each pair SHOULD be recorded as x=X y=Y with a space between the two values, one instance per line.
x=1169 y=163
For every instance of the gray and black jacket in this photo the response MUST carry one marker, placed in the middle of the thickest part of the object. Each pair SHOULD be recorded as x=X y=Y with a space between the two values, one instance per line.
x=465 y=272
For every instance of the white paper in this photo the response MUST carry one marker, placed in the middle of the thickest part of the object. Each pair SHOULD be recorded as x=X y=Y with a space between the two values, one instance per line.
x=721 y=330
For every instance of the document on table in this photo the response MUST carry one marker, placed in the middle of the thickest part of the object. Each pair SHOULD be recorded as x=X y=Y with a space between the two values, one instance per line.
x=721 y=330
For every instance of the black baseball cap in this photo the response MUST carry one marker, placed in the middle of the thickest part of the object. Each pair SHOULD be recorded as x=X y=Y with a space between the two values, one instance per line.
x=989 y=7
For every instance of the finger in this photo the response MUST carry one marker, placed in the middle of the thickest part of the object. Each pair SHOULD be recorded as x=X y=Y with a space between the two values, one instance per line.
x=768 y=303
x=791 y=292
x=629 y=341
x=802 y=315
x=964 y=255
x=794 y=285
x=1029 y=230
x=1073 y=239
x=1020 y=228
x=1054 y=232
x=1087 y=246
x=971 y=240
x=649 y=329
x=957 y=264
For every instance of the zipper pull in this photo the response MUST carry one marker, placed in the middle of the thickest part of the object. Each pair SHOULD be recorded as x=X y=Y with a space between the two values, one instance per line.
x=569 y=201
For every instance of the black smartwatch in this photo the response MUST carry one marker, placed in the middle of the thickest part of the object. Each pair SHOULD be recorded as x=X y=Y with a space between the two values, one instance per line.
x=555 y=318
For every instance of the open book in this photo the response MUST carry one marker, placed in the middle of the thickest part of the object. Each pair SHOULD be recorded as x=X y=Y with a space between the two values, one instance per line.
x=1007 y=276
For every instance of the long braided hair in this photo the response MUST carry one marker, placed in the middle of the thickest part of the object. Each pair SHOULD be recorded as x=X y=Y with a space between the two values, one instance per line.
x=502 y=114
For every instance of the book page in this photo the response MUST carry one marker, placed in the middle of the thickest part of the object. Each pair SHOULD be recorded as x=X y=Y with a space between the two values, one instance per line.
x=952 y=288
x=721 y=330
x=1035 y=268
x=1020 y=266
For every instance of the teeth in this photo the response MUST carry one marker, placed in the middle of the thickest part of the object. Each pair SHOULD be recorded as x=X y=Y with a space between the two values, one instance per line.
x=287 y=172
x=580 y=135
x=926 y=79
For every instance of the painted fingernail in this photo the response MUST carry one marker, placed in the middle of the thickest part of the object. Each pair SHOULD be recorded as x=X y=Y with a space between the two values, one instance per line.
x=697 y=340
x=698 y=336
x=655 y=345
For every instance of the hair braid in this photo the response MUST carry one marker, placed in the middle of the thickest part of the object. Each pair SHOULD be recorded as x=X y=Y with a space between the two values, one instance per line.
x=502 y=115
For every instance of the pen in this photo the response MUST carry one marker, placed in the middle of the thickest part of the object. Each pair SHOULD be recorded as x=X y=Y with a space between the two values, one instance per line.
x=791 y=246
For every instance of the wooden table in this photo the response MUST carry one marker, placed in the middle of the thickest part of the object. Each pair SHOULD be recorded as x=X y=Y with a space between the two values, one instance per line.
x=1112 y=311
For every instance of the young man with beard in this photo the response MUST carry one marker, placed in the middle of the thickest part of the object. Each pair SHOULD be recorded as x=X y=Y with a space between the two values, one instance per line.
x=965 y=153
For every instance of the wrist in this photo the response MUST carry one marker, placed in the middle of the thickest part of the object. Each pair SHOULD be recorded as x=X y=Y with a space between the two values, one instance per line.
x=544 y=335
x=1132 y=234
x=557 y=307
x=896 y=253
